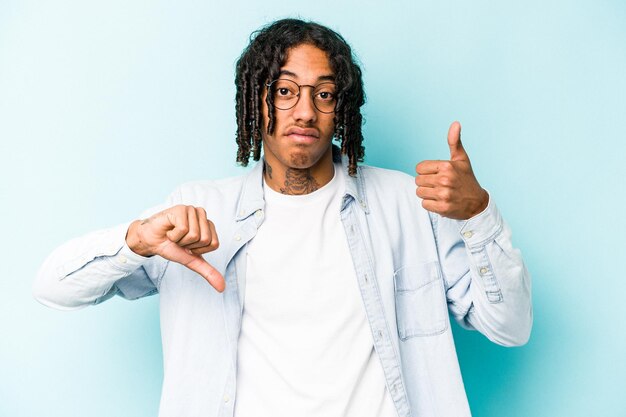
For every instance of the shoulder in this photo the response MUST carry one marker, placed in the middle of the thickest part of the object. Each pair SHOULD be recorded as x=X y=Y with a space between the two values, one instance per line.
x=200 y=192
x=386 y=178
x=389 y=187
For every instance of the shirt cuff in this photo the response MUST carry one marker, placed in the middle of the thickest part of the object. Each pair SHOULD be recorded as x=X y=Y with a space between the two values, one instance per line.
x=124 y=258
x=120 y=255
x=483 y=227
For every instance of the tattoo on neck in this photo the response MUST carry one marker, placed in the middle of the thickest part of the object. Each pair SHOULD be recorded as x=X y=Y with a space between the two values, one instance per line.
x=299 y=182
x=268 y=169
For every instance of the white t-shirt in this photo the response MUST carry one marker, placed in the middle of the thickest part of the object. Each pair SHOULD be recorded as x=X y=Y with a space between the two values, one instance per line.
x=305 y=347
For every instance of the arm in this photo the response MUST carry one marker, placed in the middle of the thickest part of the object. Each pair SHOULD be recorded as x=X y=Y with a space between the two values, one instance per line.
x=121 y=260
x=90 y=269
x=488 y=286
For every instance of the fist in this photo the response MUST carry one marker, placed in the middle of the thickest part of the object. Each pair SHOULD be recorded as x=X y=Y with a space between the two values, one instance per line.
x=180 y=234
x=449 y=188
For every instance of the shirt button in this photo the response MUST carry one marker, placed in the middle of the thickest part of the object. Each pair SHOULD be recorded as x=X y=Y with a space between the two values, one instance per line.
x=258 y=213
x=468 y=234
x=241 y=213
x=484 y=270
x=237 y=237
x=122 y=259
x=362 y=203
x=226 y=398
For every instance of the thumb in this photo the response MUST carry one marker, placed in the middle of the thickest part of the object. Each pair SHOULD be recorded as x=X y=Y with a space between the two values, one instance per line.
x=199 y=265
x=457 y=152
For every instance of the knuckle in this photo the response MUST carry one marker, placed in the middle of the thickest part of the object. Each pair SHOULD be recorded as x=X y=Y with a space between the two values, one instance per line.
x=445 y=181
x=446 y=166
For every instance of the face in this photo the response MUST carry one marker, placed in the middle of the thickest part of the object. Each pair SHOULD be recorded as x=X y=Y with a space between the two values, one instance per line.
x=302 y=135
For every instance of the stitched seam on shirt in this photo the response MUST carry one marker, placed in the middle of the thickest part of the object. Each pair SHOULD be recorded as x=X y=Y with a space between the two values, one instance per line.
x=496 y=283
x=400 y=290
x=110 y=261
x=377 y=289
x=481 y=244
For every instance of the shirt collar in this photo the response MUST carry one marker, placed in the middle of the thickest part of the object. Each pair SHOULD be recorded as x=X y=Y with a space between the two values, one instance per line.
x=251 y=198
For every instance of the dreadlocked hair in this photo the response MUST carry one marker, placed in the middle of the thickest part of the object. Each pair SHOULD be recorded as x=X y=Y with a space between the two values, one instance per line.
x=261 y=62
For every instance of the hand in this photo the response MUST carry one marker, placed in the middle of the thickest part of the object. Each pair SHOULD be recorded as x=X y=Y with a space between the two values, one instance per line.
x=450 y=188
x=180 y=234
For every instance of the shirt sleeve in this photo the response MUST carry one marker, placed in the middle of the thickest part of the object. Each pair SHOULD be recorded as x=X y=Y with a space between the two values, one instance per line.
x=93 y=268
x=487 y=284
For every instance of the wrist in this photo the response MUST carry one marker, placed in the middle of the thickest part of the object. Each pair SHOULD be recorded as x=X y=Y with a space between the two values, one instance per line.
x=134 y=241
x=482 y=203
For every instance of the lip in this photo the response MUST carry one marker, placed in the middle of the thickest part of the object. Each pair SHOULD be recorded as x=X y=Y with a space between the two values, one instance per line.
x=302 y=135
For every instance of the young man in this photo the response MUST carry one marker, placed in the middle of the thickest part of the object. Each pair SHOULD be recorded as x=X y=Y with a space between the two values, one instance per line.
x=331 y=283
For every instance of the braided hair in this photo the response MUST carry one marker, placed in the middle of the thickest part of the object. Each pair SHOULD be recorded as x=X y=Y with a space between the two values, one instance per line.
x=261 y=62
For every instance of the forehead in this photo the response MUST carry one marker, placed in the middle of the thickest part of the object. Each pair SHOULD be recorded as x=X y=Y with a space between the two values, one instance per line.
x=307 y=63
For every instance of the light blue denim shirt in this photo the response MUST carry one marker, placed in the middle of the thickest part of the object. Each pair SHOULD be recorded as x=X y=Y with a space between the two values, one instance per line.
x=413 y=268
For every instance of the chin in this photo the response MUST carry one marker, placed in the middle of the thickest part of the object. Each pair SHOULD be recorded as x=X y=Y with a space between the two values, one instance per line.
x=300 y=160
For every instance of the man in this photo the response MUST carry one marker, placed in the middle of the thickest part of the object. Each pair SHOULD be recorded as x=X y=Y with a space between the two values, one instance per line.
x=331 y=282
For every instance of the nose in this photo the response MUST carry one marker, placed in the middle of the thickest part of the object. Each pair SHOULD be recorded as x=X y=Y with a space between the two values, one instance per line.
x=304 y=110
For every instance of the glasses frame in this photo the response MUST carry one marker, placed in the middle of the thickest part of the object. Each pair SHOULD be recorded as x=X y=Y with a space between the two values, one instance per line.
x=313 y=87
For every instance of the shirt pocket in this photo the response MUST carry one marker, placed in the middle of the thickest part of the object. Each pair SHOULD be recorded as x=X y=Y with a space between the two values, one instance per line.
x=421 y=308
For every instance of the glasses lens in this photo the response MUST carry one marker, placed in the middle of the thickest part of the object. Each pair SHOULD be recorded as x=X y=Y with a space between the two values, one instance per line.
x=325 y=97
x=284 y=94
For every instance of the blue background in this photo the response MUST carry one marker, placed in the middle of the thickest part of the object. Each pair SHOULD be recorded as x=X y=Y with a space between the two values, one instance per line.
x=106 y=106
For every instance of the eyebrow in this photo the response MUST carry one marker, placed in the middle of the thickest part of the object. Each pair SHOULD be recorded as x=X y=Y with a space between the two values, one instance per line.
x=328 y=77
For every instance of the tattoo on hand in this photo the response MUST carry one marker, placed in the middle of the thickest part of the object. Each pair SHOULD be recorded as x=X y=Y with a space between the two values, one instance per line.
x=299 y=182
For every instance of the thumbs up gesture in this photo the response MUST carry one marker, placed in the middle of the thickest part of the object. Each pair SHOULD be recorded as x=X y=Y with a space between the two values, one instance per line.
x=450 y=188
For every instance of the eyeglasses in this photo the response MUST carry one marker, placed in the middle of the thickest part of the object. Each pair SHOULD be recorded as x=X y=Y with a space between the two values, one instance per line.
x=284 y=95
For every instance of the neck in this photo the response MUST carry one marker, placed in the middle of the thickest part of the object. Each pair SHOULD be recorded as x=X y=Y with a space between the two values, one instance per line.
x=298 y=181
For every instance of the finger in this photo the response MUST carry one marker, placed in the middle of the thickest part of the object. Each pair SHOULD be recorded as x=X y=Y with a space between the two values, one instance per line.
x=427 y=167
x=427 y=193
x=426 y=180
x=205 y=231
x=212 y=245
x=215 y=243
x=193 y=232
x=199 y=265
x=457 y=152
x=433 y=206
x=178 y=218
